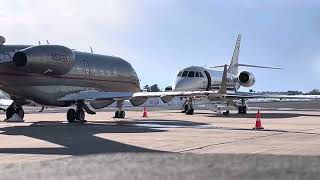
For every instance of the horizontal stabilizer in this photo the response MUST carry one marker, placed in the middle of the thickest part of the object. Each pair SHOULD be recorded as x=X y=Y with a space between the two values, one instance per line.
x=248 y=65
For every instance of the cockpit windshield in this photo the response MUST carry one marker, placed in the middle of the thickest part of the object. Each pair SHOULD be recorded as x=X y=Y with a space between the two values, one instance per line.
x=185 y=73
x=197 y=74
x=191 y=74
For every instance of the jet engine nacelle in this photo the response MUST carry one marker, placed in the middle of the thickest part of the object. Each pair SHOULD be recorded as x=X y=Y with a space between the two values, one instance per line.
x=246 y=79
x=45 y=59
x=137 y=101
x=99 y=104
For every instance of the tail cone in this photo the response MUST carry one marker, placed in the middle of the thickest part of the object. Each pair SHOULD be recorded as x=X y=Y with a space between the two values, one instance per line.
x=258 y=122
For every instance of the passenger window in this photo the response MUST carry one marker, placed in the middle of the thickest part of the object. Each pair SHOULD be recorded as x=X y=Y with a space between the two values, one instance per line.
x=179 y=74
x=185 y=73
x=200 y=73
x=197 y=74
x=191 y=74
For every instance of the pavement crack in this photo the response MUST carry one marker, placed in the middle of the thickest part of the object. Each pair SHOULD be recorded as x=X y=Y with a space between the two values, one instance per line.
x=229 y=142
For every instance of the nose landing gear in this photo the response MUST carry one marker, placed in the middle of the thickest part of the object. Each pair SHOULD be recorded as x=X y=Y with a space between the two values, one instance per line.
x=242 y=109
x=120 y=113
x=188 y=107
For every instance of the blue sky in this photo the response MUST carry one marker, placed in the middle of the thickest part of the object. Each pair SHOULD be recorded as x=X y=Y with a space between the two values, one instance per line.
x=159 y=37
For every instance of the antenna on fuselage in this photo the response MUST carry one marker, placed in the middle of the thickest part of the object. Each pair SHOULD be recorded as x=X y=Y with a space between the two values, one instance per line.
x=91 y=50
x=48 y=42
x=39 y=42
x=2 y=40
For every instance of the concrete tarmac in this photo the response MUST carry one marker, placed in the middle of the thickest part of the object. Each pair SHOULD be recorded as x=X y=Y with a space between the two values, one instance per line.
x=175 y=145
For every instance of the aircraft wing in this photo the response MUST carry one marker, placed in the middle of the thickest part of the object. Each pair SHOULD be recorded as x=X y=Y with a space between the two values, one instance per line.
x=269 y=96
x=238 y=95
x=139 y=98
x=173 y=93
x=96 y=95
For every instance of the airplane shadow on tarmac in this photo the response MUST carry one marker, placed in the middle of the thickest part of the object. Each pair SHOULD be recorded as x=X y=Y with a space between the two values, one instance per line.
x=80 y=139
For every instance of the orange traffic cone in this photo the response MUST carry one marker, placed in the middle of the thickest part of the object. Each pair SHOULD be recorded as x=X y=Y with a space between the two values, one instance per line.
x=258 y=122
x=145 y=114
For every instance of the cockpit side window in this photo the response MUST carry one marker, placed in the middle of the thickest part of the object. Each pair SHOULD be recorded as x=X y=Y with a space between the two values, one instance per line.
x=197 y=74
x=179 y=74
x=191 y=74
x=185 y=73
x=200 y=73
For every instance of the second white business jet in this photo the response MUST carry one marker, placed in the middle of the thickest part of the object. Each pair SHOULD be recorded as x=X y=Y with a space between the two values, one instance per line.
x=217 y=87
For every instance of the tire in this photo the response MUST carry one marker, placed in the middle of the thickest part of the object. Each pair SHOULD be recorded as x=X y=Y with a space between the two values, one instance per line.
x=190 y=111
x=242 y=110
x=9 y=112
x=80 y=115
x=226 y=113
x=117 y=114
x=71 y=115
x=20 y=112
x=122 y=114
x=186 y=107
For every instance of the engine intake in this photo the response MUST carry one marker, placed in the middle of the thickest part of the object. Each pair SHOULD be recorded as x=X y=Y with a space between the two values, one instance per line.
x=45 y=59
x=246 y=79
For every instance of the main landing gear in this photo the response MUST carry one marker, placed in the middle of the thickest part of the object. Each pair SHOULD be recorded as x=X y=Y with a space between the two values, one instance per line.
x=120 y=113
x=14 y=109
x=242 y=109
x=78 y=114
x=226 y=113
x=188 y=107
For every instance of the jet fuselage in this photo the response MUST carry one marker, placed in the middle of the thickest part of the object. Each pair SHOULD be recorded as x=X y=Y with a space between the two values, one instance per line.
x=195 y=78
x=89 y=72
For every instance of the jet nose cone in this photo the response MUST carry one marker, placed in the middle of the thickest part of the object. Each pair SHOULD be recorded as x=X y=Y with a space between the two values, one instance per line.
x=181 y=84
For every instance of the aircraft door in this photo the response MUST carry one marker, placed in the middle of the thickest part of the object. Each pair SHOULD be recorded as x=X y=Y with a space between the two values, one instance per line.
x=86 y=69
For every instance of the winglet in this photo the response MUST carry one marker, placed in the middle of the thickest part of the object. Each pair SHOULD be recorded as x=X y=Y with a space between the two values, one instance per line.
x=223 y=87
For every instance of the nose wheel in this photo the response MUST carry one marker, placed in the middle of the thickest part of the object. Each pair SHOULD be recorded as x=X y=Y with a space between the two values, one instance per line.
x=188 y=108
x=11 y=111
x=120 y=114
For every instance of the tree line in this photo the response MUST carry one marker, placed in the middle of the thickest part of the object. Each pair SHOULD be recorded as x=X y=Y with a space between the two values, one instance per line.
x=152 y=88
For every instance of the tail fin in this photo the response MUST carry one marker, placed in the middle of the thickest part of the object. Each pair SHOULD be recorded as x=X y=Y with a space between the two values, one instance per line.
x=233 y=68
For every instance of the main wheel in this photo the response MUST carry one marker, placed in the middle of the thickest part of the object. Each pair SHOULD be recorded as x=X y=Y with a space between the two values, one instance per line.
x=122 y=114
x=190 y=111
x=117 y=114
x=242 y=110
x=80 y=115
x=185 y=108
x=20 y=112
x=71 y=115
x=9 y=112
